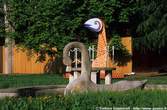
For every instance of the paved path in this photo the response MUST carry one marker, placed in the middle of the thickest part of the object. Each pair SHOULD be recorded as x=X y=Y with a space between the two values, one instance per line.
x=54 y=90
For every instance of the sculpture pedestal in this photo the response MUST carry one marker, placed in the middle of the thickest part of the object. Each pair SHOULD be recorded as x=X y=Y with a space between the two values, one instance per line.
x=71 y=78
x=108 y=78
x=76 y=74
x=95 y=77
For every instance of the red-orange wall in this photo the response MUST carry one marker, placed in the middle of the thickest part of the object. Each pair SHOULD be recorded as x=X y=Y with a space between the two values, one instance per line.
x=121 y=70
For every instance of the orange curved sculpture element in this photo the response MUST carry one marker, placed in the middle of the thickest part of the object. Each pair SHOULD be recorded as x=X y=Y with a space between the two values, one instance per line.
x=102 y=60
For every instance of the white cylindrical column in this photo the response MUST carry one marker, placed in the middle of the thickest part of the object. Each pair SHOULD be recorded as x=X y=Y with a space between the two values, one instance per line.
x=71 y=78
x=94 y=77
x=76 y=74
x=108 y=78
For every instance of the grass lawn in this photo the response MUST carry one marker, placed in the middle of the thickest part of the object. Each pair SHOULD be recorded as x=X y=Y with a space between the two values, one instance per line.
x=88 y=101
x=159 y=79
x=18 y=80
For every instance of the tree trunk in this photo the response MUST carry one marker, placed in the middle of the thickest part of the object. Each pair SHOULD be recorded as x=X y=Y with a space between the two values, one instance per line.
x=8 y=45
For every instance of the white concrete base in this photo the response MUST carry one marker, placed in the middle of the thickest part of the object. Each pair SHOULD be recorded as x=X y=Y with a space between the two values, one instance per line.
x=76 y=74
x=108 y=79
x=132 y=73
x=94 y=77
x=71 y=78
x=3 y=95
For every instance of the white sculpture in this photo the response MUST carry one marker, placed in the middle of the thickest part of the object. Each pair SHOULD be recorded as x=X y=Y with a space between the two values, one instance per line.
x=94 y=24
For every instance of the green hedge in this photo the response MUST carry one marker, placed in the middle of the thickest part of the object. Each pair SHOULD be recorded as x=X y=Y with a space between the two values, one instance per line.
x=87 y=101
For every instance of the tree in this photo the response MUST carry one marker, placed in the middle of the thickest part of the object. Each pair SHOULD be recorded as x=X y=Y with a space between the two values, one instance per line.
x=122 y=55
x=153 y=26
x=2 y=27
x=44 y=25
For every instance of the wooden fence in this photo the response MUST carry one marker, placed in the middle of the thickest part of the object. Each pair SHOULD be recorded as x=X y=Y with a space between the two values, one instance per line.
x=127 y=67
x=22 y=63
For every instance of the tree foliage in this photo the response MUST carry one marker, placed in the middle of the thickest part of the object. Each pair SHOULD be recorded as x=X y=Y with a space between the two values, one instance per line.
x=121 y=54
x=2 y=27
x=42 y=25
x=153 y=25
